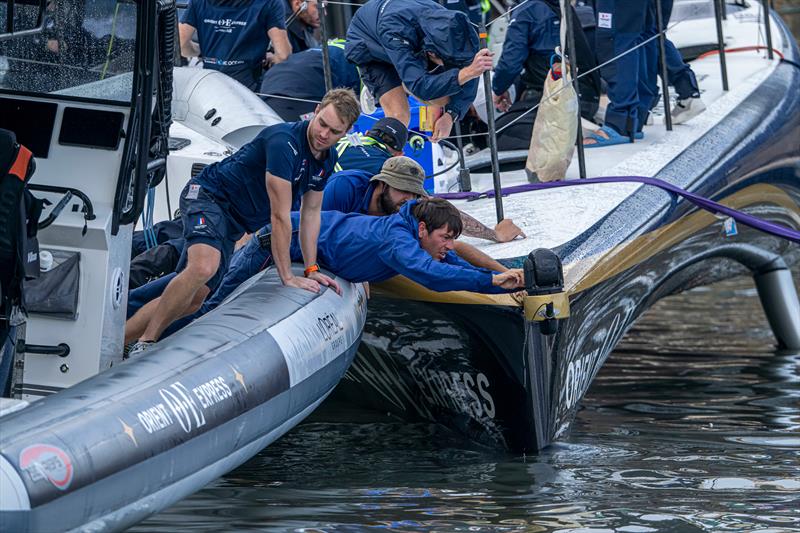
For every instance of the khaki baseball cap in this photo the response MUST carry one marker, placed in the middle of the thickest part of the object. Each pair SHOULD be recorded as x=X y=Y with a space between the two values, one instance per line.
x=404 y=174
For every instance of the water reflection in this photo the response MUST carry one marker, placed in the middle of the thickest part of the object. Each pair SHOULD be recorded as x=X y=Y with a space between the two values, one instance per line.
x=692 y=425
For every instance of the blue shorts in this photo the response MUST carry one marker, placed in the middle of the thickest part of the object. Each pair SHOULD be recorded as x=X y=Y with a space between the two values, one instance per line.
x=379 y=77
x=206 y=222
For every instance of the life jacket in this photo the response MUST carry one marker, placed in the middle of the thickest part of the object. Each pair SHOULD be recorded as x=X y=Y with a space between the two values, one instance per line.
x=19 y=219
x=356 y=139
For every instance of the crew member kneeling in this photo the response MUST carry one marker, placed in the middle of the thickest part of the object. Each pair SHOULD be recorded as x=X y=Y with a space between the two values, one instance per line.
x=260 y=183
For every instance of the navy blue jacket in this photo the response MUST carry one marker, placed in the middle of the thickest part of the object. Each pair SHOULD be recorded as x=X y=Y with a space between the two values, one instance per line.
x=534 y=29
x=301 y=75
x=349 y=191
x=365 y=248
x=399 y=32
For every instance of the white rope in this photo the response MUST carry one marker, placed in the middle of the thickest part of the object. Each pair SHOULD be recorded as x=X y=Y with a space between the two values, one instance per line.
x=508 y=12
x=288 y=98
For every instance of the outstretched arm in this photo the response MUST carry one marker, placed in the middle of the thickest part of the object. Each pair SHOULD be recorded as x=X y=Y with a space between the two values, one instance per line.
x=475 y=257
x=504 y=231
x=406 y=257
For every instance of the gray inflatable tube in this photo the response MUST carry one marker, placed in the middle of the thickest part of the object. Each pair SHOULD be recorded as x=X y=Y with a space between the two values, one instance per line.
x=131 y=441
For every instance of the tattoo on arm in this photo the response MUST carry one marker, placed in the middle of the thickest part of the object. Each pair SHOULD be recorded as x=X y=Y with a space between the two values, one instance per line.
x=473 y=228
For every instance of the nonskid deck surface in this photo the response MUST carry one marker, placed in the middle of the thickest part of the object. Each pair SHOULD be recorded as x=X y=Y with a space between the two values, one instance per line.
x=551 y=218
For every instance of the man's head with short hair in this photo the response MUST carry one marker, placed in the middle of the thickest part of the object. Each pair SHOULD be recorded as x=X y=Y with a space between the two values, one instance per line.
x=334 y=115
x=391 y=132
x=345 y=103
x=439 y=226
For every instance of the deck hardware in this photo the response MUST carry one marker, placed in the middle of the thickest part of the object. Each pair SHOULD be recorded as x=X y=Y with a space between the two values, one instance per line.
x=61 y=350
x=573 y=71
x=768 y=28
x=662 y=51
x=487 y=89
x=546 y=301
x=721 y=44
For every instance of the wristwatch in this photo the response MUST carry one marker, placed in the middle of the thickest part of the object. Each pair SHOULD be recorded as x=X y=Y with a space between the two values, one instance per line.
x=453 y=114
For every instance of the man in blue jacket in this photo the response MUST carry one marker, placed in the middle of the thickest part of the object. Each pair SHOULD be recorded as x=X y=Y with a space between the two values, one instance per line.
x=301 y=76
x=233 y=36
x=416 y=243
x=421 y=47
x=261 y=183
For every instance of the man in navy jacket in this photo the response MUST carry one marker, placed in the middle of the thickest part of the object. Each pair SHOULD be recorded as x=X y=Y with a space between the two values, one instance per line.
x=419 y=47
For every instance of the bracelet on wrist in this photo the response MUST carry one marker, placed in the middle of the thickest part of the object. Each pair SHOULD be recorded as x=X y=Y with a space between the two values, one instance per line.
x=311 y=269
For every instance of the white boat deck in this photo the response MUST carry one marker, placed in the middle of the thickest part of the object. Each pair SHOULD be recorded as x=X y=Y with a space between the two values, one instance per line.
x=552 y=217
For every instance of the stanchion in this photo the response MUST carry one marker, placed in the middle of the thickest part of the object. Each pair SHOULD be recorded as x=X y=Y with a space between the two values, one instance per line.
x=487 y=89
x=768 y=29
x=721 y=44
x=464 y=179
x=662 y=50
x=326 y=59
x=566 y=10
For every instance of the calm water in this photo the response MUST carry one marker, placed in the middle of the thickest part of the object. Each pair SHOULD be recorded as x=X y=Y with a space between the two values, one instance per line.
x=692 y=425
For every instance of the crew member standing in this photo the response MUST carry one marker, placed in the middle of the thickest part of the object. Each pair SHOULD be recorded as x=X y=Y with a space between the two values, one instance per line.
x=233 y=36
x=419 y=47
x=621 y=26
x=259 y=184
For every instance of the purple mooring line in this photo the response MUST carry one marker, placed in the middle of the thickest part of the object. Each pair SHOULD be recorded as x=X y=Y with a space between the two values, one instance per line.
x=704 y=203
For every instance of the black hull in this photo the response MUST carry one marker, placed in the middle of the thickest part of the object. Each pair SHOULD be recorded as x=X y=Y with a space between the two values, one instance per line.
x=484 y=371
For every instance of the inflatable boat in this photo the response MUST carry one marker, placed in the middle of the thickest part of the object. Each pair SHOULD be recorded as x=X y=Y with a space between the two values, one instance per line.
x=113 y=449
x=89 y=441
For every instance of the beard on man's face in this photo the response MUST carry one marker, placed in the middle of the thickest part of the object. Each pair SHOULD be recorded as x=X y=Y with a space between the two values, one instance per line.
x=385 y=203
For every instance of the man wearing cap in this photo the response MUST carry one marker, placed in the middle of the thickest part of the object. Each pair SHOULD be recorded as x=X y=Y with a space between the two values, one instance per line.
x=417 y=47
x=386 y=138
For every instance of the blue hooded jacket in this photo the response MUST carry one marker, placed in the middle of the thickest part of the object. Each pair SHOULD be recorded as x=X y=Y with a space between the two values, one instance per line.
x=365 y=248
x=399 y=32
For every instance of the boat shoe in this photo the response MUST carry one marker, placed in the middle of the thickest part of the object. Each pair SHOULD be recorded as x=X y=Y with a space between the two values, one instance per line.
x=687 y=109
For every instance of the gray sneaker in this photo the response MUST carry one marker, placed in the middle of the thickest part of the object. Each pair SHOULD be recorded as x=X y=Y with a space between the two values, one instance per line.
x=139 y=348
x=687 y=109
